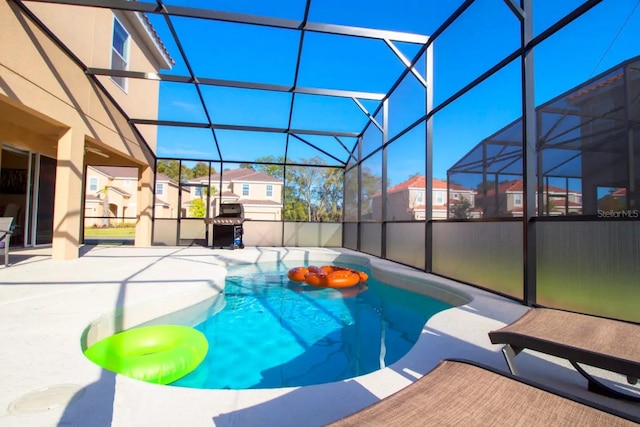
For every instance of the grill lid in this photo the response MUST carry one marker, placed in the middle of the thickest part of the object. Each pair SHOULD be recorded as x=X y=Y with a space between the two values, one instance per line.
x=231 y=210
x=230 y=214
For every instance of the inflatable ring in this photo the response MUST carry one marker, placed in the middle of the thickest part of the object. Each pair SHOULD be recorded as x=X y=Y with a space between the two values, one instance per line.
x=333 y=280
x=297 y=274
x=335 y=270
x=330 y=276
x=158 y=354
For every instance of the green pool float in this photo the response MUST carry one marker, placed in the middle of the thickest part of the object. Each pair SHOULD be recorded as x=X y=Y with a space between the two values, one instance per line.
x=158 y=354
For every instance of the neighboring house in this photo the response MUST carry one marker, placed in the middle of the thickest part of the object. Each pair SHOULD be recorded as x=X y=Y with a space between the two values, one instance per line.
x=615 y=201
x=167 y=200
x=607 y=112
x=406 y=201
x=586 y=136
x=122 y=183
x=55 y=119
x=259 y=193
x=508 y=201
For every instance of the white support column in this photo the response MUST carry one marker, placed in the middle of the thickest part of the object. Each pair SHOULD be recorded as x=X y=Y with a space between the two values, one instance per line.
x=67 y=211
x=144 y=206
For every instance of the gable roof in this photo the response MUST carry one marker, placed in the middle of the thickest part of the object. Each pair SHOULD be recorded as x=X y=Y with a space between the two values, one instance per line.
x=163 y=178
x=594 y=87
x=240 y=174
x=117 y=171
x=156 y=38
x=120 y=191
x=420 y=182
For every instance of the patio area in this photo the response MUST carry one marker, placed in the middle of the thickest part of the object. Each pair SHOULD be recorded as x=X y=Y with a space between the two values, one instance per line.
x=46 y=306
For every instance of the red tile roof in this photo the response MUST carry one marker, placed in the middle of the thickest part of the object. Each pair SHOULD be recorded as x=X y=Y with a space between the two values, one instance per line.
x=420 y=181
x=595 y=86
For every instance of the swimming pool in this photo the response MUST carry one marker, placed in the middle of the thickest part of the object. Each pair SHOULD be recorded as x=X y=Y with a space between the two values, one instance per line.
x=275 y=333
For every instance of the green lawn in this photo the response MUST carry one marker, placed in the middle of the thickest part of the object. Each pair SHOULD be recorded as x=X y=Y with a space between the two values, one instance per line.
x=109 y=232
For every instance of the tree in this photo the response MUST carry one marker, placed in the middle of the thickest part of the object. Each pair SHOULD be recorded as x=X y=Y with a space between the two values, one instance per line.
x=306 y=180
x=295 y=207
x=169 y=168
x=197 y=209
x=313 y=192
x=104 y=194
x=350 y=189
x=210 y=191
x=460 y=210
x=548 y=204
x=201 y=169
x=274 y=170
x=329 y=195
x=371 y=184
x=172 y=169
x=294 y=211
x=486 y=186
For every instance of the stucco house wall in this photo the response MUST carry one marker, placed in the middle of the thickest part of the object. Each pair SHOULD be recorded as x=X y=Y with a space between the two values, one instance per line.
x=257 y=204
x=50 y=107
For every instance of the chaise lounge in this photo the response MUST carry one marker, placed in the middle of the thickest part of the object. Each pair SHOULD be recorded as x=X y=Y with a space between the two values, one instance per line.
x=608 y=344
x=459 y=393
x=6 y=229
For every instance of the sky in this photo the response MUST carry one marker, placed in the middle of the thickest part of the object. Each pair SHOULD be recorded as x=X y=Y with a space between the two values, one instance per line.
x=486 y=33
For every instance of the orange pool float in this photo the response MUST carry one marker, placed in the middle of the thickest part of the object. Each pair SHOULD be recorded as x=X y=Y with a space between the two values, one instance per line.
x=297 y=274
x=328 y=276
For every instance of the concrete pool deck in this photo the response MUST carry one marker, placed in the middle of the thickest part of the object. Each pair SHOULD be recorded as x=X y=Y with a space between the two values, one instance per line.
x=46 y=305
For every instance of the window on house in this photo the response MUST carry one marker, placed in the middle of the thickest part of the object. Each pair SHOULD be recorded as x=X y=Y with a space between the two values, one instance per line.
x=198 y=191
x=439 y=198
x=120 y=52
x=245 y=189
x=159 y=189
x=269 y=190
x=93 y=184
x=517 y=199
x=419 y=197
x=456 y=196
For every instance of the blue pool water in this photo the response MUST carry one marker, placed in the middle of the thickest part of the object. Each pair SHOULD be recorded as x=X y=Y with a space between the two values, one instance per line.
x=276 y=333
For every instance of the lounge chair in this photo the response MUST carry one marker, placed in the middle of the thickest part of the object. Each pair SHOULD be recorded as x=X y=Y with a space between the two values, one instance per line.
x=459 y=393
x=608 y=344
x=6 y=229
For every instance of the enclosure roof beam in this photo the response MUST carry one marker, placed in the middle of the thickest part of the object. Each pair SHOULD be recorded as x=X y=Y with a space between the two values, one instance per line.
x=200 y=125
x=318 y=148
x=242 y=18
x=235 y=84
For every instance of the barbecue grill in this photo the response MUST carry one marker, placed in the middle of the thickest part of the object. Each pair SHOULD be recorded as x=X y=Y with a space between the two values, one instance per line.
x=227 y=227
